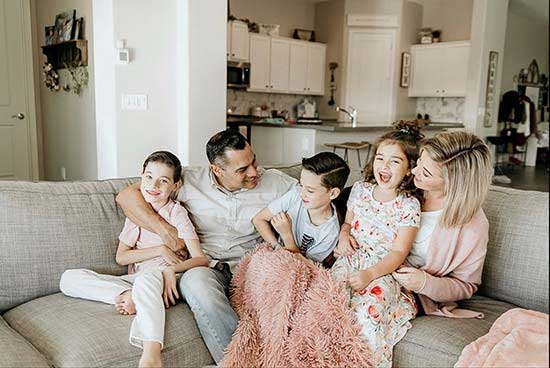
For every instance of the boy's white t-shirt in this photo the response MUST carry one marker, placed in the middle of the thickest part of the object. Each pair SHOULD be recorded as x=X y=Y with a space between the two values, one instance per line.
x=315 y=242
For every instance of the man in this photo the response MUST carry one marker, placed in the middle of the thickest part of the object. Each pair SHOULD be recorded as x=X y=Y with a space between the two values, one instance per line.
x=221 y=199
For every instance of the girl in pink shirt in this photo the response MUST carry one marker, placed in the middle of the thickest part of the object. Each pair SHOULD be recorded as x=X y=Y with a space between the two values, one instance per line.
x=151 y=283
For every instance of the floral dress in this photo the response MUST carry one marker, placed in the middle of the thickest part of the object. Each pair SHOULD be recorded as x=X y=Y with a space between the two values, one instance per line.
x=383 y=308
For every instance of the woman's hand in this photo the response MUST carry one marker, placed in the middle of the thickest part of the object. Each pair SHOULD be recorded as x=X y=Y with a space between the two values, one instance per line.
x=282 y=223
x=359 y=280
x=170 y=293
x=169 y=255
x=346 y=245
x=410 y=278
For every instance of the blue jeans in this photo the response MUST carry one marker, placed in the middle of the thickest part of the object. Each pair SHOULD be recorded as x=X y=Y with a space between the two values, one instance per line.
x=205 y=290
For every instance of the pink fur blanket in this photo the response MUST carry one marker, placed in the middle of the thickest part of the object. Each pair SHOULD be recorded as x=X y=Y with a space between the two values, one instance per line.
x=518 y=338
x=292 y=314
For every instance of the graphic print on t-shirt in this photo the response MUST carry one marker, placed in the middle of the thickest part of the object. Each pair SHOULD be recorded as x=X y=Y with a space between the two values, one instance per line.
x=307 y=241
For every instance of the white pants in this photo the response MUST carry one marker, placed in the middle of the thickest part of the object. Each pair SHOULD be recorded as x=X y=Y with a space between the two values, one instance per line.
x=148 y=324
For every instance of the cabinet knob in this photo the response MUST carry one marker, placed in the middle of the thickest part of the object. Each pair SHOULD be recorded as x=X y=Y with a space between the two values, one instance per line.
x=233 y=55
x=272 y=86
x=266 y=86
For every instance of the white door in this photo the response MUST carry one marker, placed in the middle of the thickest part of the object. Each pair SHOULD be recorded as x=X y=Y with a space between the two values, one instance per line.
x=15 y=146
x=369 y=74
x=259 y=63
x=316 y=69
x=298 y=67
x=280 y=65
x=239 y=41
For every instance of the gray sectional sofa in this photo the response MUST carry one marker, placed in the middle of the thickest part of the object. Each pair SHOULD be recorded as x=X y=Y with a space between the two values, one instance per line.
x=46 y=228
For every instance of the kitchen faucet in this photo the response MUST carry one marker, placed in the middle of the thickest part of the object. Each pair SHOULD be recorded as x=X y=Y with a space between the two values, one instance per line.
x=352 y=113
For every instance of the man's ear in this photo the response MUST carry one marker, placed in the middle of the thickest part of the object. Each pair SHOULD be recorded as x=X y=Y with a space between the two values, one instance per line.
x=334 y=193
x=216 y=170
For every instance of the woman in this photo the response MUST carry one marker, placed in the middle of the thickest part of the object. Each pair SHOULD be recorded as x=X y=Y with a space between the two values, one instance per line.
x=454 y=171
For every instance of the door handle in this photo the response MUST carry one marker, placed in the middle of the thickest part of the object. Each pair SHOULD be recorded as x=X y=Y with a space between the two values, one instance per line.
x=19 y=116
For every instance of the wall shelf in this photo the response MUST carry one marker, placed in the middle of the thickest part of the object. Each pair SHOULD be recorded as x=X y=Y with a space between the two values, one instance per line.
x=74 y=52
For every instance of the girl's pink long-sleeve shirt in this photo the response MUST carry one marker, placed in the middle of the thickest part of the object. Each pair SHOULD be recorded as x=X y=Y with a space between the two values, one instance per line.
x=453 y=268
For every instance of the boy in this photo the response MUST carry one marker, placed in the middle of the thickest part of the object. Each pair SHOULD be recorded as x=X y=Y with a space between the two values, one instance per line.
x=305 y=218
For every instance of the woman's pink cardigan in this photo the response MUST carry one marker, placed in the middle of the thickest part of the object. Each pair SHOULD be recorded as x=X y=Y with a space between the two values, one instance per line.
x=453 y=268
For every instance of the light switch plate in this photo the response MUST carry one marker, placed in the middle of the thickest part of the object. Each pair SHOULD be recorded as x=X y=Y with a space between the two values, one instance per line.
x=134 y=102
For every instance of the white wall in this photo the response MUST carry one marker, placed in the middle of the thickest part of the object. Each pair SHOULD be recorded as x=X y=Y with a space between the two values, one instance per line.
x=177 y=58
x=289 y=14
x=453 y=17
x=68 y=120
x=488 y=34
x=526 y=39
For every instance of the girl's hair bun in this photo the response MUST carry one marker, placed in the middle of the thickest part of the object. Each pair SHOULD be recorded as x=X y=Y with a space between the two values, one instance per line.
x=411 y=127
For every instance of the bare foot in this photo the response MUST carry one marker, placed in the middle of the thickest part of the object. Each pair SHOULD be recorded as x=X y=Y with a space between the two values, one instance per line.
x=124 y=303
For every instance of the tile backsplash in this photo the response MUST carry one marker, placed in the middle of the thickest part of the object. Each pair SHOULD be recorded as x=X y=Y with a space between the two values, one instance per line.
x=241 y=101
x=442 y=109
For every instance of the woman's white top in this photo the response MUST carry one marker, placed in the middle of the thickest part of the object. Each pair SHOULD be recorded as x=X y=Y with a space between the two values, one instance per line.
x=428 y=221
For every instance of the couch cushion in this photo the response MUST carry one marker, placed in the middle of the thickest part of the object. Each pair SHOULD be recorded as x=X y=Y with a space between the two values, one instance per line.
x=438 y=341
x=16 y=351
x=49 y=227
x=516 y=267
x=79 y=333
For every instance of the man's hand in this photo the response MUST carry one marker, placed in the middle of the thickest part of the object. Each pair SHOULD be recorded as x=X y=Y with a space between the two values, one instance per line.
x=410 y=278
x=359 y=280
x=346 y=245
x=169 y=255
x=169 y=236
x=282 y=223
x=170 y=293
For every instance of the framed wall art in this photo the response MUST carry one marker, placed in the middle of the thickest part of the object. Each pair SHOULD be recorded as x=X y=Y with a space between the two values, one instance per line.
x=405 y=69
x=490 y=90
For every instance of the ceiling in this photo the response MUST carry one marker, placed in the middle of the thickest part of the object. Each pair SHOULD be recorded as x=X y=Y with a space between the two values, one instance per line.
x=535 y=9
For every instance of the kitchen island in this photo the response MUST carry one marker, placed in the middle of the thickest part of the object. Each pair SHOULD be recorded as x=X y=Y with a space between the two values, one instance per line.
x=286 y=144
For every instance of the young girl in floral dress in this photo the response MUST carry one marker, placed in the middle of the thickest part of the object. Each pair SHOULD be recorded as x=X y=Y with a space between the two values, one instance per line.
x=381 y=223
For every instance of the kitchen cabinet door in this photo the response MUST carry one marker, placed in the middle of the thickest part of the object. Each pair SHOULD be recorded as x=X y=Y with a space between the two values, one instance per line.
x=280 y=64
x=260 y=50
x=316 y=69
x=228 y=43
x=297 y=144
x=298 y=67
x=439 y=70
x=239 y=41
x=455 y=70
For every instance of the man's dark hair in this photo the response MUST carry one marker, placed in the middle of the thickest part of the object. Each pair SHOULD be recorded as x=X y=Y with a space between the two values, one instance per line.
x=167 y=158
x=333 y=169
x=226 y=140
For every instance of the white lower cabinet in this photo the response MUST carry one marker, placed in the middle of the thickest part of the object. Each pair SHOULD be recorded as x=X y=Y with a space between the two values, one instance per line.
x=275 y=146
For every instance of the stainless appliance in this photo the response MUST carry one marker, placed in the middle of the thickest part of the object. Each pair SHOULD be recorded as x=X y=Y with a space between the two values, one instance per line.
x=238 y=74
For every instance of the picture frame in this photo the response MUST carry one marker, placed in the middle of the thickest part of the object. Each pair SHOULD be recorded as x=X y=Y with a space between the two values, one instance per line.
x=77 y=28
x=60 y=20
x=490 y=98
x=66 y=34
x=49 y=35
x=405 y=69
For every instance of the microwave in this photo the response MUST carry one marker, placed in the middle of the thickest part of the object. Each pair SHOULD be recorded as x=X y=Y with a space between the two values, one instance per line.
x=238 y=74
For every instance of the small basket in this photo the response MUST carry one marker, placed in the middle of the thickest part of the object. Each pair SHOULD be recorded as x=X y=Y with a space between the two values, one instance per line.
x=269 y=29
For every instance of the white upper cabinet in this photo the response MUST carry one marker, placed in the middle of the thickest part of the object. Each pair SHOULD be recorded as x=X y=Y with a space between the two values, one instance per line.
x=316 y=69
x=439 y=70
x=237 y=41
x=260 y=56
x=298 y=67
x=283 y=65
x=280 y=64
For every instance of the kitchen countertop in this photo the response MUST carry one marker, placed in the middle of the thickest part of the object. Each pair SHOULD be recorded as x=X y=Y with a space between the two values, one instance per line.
x=334 y=126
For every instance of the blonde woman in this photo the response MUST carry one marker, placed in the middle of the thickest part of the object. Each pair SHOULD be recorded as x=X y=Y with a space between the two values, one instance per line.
x=446 y=260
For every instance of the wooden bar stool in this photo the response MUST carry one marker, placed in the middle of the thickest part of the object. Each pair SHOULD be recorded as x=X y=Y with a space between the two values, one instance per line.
x=357 y=146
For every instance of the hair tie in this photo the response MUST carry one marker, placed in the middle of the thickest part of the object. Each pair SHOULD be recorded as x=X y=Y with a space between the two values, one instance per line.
x=407 y=131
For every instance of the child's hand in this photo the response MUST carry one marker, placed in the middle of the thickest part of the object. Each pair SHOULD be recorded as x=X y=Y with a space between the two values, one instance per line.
x=346 y=245
x=410 y=278
x=360 y=279
x=282 y=223
x=170 y=293
x=169 y=256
